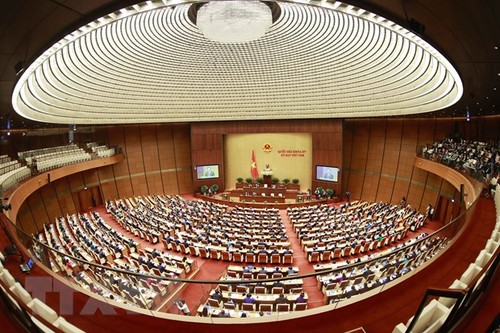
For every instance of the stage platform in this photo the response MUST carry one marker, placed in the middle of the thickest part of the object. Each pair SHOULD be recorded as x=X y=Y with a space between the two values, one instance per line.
x=225 y=199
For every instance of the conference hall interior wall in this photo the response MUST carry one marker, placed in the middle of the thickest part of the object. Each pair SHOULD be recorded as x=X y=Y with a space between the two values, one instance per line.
x=375 y=157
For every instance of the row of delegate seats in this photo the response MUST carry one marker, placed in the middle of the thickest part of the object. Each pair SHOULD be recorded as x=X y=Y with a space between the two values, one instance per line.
x=40 y=314
x=436 y=312
x=201 y=236
x=28 y=155
x=209 y=251
x=94 y=236
x=4 y=159
x=330 y=233
x=63 y=160
x=324 y=253
x=9 y=166
x=361 y=278
x=11 y=178
x=13 y=172
x=101 y=150
x=263 y=297
x=59 y=236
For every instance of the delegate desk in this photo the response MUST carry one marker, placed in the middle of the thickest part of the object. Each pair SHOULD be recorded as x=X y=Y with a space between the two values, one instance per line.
x=169 y=268
x=238 y=297
x=262 y=199
x=214 y=312
x=288 y=285
x=268 y=191
x=257 y=270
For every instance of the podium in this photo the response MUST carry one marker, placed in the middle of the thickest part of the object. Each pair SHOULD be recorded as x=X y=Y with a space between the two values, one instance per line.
x=267 y=179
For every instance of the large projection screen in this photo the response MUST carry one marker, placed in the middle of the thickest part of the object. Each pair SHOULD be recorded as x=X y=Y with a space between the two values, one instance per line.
x=289 y=155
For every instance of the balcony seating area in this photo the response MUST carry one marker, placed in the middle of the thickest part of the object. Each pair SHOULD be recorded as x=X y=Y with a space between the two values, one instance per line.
x=474 y=157
x=101 y=150
x=31 y=162
x=14 y=176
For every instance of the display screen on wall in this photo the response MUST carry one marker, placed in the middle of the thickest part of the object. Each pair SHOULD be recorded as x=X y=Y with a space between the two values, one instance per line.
x=327 y=173
x=207 y=171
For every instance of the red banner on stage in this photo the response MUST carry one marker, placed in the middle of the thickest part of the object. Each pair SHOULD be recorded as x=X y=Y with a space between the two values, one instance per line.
x=253 y=168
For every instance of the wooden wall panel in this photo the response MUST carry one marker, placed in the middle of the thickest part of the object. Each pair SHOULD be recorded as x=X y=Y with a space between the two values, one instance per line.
x=374 y=158
x=90 y=178
x=425 y=132
x=359 y=157
x=183 y=161
x=392 y=154
x=26 y=220
x=39 y=212
x=76 y=184
x=49 y=197
x=136 y=160
x=347 y=140
x=327 y=150
x=155 y=185
x=488 y=129
x=406 y=158
x=166 y=153
x=432 y=189
x=63 y=192
x=417 y=187
x=385 y=189
x=149 y=146
x=443 y=129
x=107 y=183
x=121 y=170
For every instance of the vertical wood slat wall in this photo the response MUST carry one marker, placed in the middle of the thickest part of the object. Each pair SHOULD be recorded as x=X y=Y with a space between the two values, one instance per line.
x=378 y=156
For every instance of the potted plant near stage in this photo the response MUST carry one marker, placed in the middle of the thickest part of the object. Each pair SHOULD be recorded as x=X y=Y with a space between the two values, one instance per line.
x=239 y=182
x=204 y=189
x=318 y=192
x=214 y=189
x=260 y=180
x=286 y=181
x=249 y=181
x=275 y=180
x=294 y=185
x=330 y=193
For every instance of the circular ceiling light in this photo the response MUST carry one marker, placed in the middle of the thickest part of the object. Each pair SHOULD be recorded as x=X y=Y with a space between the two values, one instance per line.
x=234 y=21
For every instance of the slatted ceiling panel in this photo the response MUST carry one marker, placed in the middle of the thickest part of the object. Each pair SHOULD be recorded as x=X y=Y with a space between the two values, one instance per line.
x=157 y=66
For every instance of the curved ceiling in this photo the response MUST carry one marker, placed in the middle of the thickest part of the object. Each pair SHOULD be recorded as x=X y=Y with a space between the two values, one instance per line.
x=150 y=63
